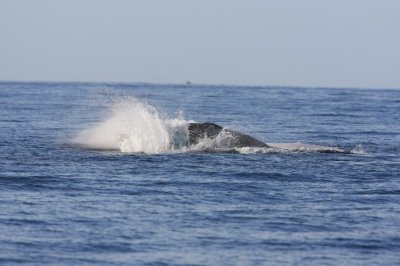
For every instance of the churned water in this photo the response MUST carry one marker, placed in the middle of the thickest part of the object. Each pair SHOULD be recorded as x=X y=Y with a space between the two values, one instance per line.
x=102 y=174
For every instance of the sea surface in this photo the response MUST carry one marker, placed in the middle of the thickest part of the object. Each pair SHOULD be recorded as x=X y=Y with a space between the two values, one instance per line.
x=98 y=173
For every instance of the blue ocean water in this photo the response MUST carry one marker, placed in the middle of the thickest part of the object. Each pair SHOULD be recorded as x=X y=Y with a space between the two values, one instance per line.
x=67 y=203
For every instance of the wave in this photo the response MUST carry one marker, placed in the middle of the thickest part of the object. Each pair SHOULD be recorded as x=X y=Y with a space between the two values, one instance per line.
x=137 y=127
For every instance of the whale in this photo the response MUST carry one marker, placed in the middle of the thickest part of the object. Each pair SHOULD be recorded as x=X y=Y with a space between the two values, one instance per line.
x=231 y=138
x=227 y=140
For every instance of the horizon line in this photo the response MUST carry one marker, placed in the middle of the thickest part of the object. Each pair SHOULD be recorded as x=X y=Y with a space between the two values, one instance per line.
x=190 y=83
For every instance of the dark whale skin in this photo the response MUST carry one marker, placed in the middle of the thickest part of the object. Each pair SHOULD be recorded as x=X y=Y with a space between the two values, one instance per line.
x=233 y=139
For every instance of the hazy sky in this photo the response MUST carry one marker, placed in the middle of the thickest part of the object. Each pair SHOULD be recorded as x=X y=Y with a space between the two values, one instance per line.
x=336 y=43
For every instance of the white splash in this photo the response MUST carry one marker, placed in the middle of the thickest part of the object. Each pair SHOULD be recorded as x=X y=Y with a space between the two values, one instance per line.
x=135 y=127
x=359 y=149
x=302 y=147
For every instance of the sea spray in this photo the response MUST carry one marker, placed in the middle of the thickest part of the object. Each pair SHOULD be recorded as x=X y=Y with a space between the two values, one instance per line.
x=135 y=127
x=144 y=130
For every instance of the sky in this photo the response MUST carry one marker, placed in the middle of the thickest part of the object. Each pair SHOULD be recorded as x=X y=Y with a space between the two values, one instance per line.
x=317 y=43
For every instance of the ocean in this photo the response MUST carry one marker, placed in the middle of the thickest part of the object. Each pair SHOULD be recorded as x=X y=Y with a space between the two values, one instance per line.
x=101 y=173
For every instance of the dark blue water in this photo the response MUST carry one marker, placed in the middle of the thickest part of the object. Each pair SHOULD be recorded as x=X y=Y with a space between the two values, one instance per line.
x=66 y=205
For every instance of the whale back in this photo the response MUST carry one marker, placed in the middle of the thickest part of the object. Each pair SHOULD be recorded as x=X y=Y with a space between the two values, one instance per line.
x=198 y=131
x=240 y=140
x=232 y=139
